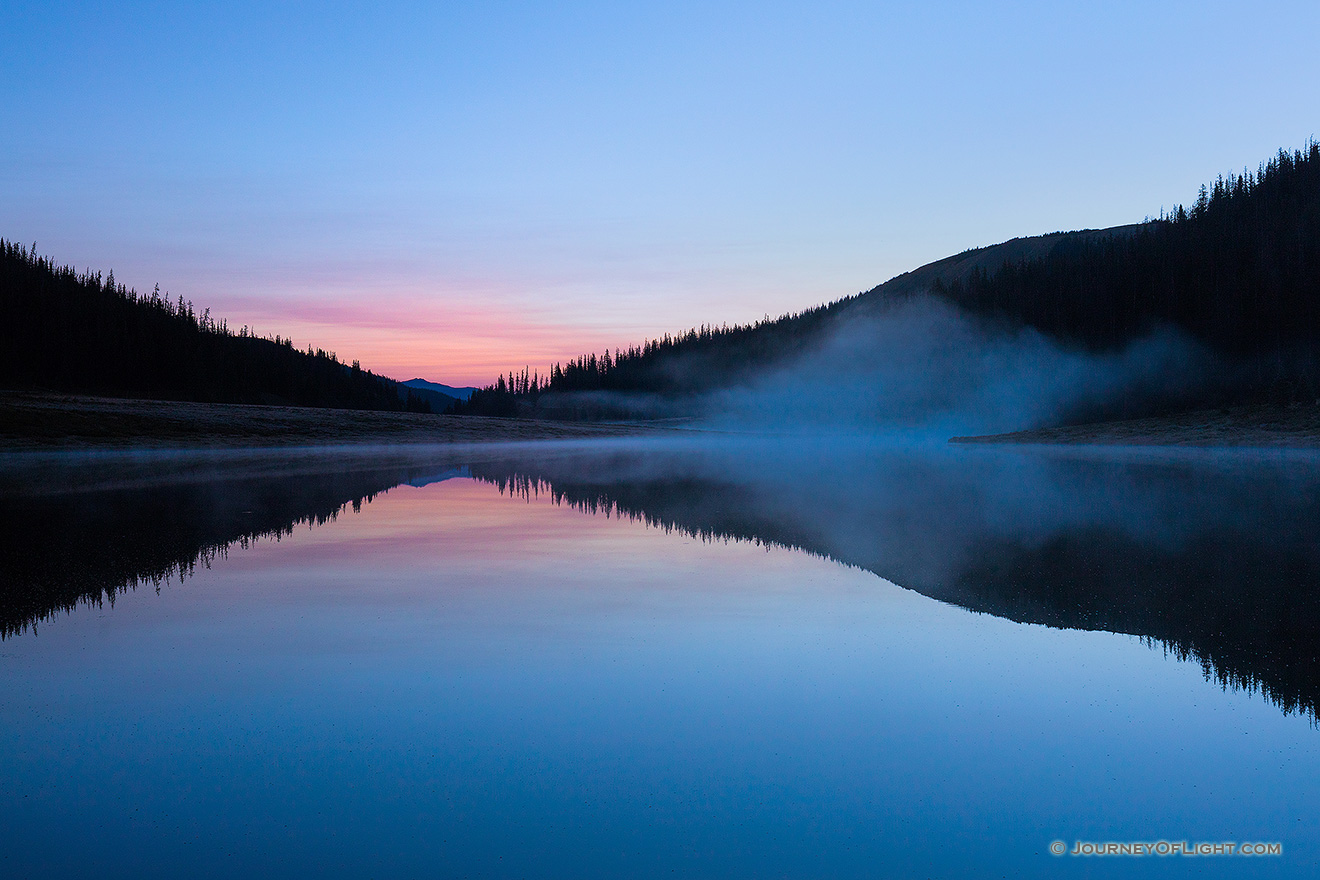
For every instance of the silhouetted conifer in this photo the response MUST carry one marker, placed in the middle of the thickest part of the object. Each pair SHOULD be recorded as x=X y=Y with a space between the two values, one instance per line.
x=79 y=333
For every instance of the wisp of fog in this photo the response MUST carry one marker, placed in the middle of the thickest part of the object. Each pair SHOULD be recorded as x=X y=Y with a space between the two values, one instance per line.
x=923 y=367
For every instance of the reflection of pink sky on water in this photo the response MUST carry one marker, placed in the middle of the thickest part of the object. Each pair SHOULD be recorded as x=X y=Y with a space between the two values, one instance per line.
x=470 y=679
x=463 y=531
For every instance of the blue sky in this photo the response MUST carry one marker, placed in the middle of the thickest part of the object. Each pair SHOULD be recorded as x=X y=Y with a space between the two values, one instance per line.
x=456 y=189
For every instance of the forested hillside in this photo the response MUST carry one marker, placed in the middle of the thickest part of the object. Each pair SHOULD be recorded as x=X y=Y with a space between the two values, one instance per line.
x=61 y=330
x=1239 y=271
x=673 y=366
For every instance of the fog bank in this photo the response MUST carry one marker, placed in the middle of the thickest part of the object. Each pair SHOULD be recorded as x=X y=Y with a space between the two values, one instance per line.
x=922 y=366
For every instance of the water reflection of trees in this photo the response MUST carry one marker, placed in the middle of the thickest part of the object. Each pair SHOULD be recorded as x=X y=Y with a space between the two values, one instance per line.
x=1218 y=567
x=1236 y=590
x=66 y=549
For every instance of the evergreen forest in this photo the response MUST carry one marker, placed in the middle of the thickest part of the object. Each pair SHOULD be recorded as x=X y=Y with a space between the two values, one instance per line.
x=81 y=333
x=1238 y=270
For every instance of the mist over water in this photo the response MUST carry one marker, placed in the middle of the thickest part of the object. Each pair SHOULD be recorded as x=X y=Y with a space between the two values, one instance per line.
x=643 y=657
x=1210 y=552
x=923 y=367
x=920 y=367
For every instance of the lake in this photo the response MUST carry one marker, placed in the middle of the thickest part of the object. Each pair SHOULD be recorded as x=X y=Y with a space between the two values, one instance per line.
x=722 y=656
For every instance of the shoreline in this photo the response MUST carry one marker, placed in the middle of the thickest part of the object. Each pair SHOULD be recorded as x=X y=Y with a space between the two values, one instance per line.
x=49 y=422
x=43 y=422
x=1273 y=426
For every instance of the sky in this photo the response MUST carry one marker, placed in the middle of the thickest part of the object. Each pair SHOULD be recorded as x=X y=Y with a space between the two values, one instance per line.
x=452 y=190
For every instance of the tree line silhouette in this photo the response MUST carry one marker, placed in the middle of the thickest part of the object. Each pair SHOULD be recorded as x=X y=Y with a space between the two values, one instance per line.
x=672 y=366
x=1239 y=270
x=61 y=330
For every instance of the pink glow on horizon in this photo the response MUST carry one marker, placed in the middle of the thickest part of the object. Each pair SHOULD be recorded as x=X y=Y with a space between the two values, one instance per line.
x=460 y=326
x=405 y=338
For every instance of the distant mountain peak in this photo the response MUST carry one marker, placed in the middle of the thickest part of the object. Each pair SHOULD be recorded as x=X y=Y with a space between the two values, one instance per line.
x=460 y=393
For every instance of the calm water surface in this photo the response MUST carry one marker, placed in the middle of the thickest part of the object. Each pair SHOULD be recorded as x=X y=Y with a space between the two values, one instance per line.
x=634 y=663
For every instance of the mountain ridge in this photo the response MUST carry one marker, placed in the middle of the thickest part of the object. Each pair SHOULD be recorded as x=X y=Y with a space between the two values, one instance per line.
x=1237 y=273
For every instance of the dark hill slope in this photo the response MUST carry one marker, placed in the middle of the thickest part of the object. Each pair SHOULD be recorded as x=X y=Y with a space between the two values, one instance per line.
x=80 y=333
x=1239 y=271
x=987 y=260
x=707 y=358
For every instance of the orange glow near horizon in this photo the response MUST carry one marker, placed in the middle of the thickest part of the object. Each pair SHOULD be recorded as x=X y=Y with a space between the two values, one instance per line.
x=455 y=344
x=465 y=327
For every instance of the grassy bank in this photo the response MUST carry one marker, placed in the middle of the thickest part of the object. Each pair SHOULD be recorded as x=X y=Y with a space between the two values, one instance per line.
x=1257 y=425
x=32 y=421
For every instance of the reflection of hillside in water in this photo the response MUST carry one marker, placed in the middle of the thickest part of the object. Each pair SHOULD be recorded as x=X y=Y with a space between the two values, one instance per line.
x=82 y=532
x=1214 y=557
